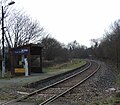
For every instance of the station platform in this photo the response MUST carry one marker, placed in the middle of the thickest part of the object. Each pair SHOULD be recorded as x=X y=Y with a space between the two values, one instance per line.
x=22 y=80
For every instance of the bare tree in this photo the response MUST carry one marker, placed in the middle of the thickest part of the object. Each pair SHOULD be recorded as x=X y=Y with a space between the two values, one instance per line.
x=21 y=30
x=76 y=50
x=52 y=48
x=109 y=46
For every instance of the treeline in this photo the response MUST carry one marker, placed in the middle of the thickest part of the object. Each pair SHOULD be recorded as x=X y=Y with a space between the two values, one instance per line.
x=57 y=52
x=109 y=46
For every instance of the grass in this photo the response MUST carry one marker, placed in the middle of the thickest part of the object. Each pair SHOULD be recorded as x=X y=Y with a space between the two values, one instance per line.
x=65 y=66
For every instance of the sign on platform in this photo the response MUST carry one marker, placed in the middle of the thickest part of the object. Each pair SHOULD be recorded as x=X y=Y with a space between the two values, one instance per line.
x=21 y=51
x=19 y=70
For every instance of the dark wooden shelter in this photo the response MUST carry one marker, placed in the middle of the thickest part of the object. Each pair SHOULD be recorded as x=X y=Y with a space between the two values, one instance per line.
x=31 y=52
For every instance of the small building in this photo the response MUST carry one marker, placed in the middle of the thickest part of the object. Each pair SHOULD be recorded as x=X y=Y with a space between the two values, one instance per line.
x=31 y=52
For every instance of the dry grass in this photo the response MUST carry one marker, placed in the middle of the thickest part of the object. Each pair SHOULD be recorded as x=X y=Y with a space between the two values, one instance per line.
x=65 y=66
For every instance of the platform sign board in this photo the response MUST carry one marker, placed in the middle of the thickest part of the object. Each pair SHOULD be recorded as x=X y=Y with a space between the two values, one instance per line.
x=21 y=51
x=19 y=70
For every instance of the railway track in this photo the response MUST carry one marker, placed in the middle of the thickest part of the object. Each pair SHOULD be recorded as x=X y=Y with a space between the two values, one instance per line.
x=60 y=88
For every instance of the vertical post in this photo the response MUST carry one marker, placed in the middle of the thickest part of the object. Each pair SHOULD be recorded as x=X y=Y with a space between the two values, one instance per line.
x=3 y=49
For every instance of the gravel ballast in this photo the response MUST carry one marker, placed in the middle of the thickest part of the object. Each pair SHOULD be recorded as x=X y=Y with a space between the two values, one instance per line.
x=92 y=91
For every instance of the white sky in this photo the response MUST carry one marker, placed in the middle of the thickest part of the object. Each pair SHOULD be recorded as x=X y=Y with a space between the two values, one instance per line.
x=69 y=20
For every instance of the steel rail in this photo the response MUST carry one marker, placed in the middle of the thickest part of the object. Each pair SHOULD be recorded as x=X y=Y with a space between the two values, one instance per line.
x=51 y=99
x=39 y=90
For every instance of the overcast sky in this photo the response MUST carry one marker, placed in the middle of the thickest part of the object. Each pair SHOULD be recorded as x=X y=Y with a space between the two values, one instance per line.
x=69 y=20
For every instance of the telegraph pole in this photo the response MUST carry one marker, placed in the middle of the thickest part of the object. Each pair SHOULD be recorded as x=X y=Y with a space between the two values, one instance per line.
x=3 y=48
x=3 y=40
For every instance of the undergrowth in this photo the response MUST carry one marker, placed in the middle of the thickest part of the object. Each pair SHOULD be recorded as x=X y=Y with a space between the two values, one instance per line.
x=65 y=66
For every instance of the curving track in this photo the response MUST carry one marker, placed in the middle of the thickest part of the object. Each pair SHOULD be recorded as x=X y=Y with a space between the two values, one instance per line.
x=60 y=88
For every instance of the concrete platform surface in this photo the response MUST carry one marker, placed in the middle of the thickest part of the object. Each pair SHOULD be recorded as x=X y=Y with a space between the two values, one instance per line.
x=22 y=80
